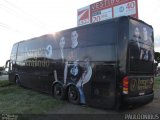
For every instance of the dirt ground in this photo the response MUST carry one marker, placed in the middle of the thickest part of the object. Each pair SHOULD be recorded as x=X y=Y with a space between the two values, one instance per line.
x=70 y=111
x=151 y=108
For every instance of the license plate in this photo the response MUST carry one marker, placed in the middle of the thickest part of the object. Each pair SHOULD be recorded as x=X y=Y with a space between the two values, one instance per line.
x=141 y=93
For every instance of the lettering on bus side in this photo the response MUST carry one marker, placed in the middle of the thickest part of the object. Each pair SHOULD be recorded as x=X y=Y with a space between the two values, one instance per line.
x=37 y=57
x=39 y=52
x=37 y=63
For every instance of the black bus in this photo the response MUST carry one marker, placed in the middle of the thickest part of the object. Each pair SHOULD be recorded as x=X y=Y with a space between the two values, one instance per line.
x=107 y=64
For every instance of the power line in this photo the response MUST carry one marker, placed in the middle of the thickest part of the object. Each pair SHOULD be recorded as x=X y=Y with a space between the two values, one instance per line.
x=14 y=13
x=2 y=25
x=23 y=14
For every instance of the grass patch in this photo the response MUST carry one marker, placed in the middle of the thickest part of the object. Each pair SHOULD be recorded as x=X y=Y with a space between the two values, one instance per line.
x=4 y=83
x=17 y=100
x=157 y=83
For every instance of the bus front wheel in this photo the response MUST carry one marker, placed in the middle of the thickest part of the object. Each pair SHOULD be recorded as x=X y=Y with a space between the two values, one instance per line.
x=73 y=95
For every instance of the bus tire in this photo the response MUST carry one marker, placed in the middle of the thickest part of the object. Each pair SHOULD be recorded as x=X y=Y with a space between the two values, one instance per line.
x=17 y=81
x=58 y=91
x=73 y=95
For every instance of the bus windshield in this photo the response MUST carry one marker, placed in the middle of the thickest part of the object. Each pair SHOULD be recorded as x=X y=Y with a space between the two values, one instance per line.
x=140 y=50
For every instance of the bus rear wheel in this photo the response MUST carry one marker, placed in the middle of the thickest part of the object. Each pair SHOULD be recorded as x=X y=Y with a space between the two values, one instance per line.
x=58 y=92
x=73 y=95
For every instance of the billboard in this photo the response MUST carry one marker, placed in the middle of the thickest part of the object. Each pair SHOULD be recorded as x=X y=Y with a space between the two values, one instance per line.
x=106 y=9
x=83 y=16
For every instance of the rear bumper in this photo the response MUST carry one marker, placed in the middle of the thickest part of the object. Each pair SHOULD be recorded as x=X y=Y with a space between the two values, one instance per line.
x=139 y=99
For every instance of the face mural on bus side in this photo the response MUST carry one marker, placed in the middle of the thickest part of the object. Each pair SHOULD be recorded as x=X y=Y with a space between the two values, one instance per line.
x=145 y=49
x=74 y=39
x=61 y=45
x=78 y=74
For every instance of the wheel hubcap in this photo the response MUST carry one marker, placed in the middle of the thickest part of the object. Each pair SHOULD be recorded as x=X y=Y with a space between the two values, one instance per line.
x=73 y=95
x=58 y=91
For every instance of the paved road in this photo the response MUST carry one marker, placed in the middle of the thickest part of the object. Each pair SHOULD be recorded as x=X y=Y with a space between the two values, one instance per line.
x=3 y=77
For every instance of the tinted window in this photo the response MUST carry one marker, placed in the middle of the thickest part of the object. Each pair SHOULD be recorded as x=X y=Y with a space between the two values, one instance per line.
x=141 y=32
x=141 y=51
x=13 y=52
x=102 y=34
x=90 y=41
x=40 y=47
x=73 y=44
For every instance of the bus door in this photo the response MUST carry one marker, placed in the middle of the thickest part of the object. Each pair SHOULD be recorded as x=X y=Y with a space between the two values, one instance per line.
x=44 y=79
x=104 y=86
x=11 y=70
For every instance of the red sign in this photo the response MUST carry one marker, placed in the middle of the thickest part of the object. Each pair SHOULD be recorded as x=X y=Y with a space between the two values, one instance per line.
x=83 y=16
x=106 y=4
x=107 y=9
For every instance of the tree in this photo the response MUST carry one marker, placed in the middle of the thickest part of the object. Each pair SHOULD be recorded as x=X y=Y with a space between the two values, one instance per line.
x=157 y=57
x=1 y=68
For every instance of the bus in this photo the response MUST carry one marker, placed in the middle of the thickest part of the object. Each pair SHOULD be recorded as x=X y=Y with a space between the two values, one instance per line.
x=107 y=64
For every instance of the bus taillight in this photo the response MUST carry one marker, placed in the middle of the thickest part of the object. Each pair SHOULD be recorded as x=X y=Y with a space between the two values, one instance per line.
x=125 y=85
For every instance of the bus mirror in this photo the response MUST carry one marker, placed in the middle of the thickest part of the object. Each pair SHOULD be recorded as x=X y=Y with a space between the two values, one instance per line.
x=6 y=70
x=7 y=64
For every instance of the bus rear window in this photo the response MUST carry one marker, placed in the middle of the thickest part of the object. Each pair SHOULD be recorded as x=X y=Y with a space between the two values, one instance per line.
x=140 y=48
x=140 y=32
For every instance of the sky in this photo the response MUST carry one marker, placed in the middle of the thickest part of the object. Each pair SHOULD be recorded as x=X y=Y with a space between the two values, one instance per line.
x=24 y=19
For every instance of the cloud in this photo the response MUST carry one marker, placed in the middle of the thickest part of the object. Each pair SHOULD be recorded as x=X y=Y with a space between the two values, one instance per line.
x=157 y=40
